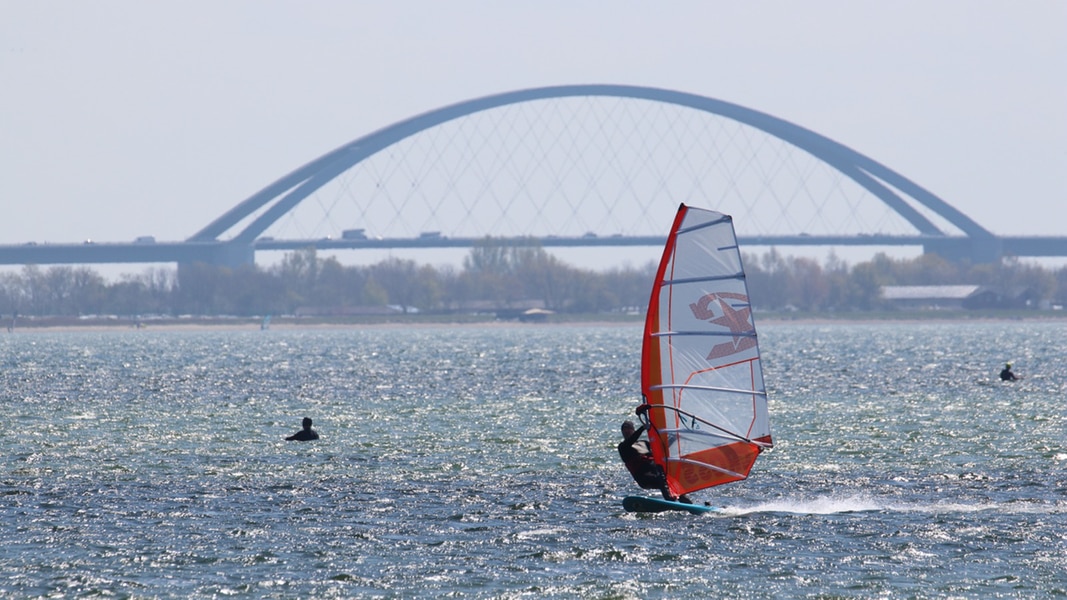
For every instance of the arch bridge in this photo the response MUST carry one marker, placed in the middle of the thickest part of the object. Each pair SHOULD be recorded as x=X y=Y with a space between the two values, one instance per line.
x=253 y=216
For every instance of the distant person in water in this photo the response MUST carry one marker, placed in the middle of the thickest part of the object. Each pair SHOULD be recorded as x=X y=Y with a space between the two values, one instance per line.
x=638 y=458
x=1006 y=373
x=305 y=434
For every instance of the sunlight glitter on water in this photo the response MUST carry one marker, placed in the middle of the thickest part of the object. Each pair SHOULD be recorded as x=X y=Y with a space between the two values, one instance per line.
x=482 y=463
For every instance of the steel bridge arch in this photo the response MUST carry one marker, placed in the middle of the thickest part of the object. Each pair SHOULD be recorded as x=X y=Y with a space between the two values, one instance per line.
x=872 y=175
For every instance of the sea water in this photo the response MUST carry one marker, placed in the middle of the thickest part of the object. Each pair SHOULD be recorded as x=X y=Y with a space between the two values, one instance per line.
x=481 y=463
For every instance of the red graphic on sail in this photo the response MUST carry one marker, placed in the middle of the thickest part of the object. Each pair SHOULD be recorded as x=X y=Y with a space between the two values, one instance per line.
x=739 y=322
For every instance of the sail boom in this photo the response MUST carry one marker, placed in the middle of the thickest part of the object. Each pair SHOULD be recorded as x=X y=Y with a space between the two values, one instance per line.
x=718 y=434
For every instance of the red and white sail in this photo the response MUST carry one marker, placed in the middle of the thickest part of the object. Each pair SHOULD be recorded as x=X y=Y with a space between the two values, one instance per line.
x=701 y=373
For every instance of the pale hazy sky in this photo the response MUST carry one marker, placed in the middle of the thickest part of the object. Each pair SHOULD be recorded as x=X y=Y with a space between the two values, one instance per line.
x=123 y=118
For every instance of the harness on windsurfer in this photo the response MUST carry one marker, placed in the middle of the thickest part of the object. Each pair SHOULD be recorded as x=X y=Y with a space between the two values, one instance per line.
x=637 y=456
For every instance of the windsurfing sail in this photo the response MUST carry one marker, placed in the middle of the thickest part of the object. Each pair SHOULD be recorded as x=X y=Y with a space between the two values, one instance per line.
x=701 y=376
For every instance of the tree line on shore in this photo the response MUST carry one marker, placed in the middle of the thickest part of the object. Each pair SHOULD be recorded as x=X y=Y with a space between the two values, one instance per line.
x=493 y=276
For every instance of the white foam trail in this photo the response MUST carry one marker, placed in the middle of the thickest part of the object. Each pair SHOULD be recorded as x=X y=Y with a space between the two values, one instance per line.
x=824 y=505
x=829 y=505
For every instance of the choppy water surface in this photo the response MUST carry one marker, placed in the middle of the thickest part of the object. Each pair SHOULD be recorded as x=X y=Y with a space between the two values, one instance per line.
x=481 y=463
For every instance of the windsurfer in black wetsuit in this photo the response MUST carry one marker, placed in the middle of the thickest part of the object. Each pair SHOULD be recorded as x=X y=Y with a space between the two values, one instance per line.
x=305 y=434
x=638 y=458
x=1006 y=373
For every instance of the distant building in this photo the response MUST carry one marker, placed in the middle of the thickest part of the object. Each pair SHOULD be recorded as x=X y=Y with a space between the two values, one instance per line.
x=942 y=297
x=535 y=315
x=514 y=309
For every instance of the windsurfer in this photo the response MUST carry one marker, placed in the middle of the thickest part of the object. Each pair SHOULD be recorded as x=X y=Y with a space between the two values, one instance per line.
x=1006 y=373
x=305 y=434
x=638 y=458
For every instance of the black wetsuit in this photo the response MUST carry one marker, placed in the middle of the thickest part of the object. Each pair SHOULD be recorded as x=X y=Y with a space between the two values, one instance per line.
x=303 y=435
x=1007 y=375
x=638 y=458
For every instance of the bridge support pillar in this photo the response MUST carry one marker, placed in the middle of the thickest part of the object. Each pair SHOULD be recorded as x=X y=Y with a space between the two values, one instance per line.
x=976 y=250
x=231 y=255
x=234 y=254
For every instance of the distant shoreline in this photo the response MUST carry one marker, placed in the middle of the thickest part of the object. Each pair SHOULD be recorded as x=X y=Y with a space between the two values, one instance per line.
x=54 y=324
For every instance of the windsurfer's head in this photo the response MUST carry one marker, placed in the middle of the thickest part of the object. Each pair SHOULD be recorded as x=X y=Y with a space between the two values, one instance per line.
x=1007 y=365
x=627 y=428
x=307 y=422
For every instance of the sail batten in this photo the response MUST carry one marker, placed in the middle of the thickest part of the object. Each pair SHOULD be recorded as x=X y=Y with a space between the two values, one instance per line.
x=701 y=373
x=707 y=466
x=723 y=219
x=699 y=279
x=722 y=333
x=680 y=386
